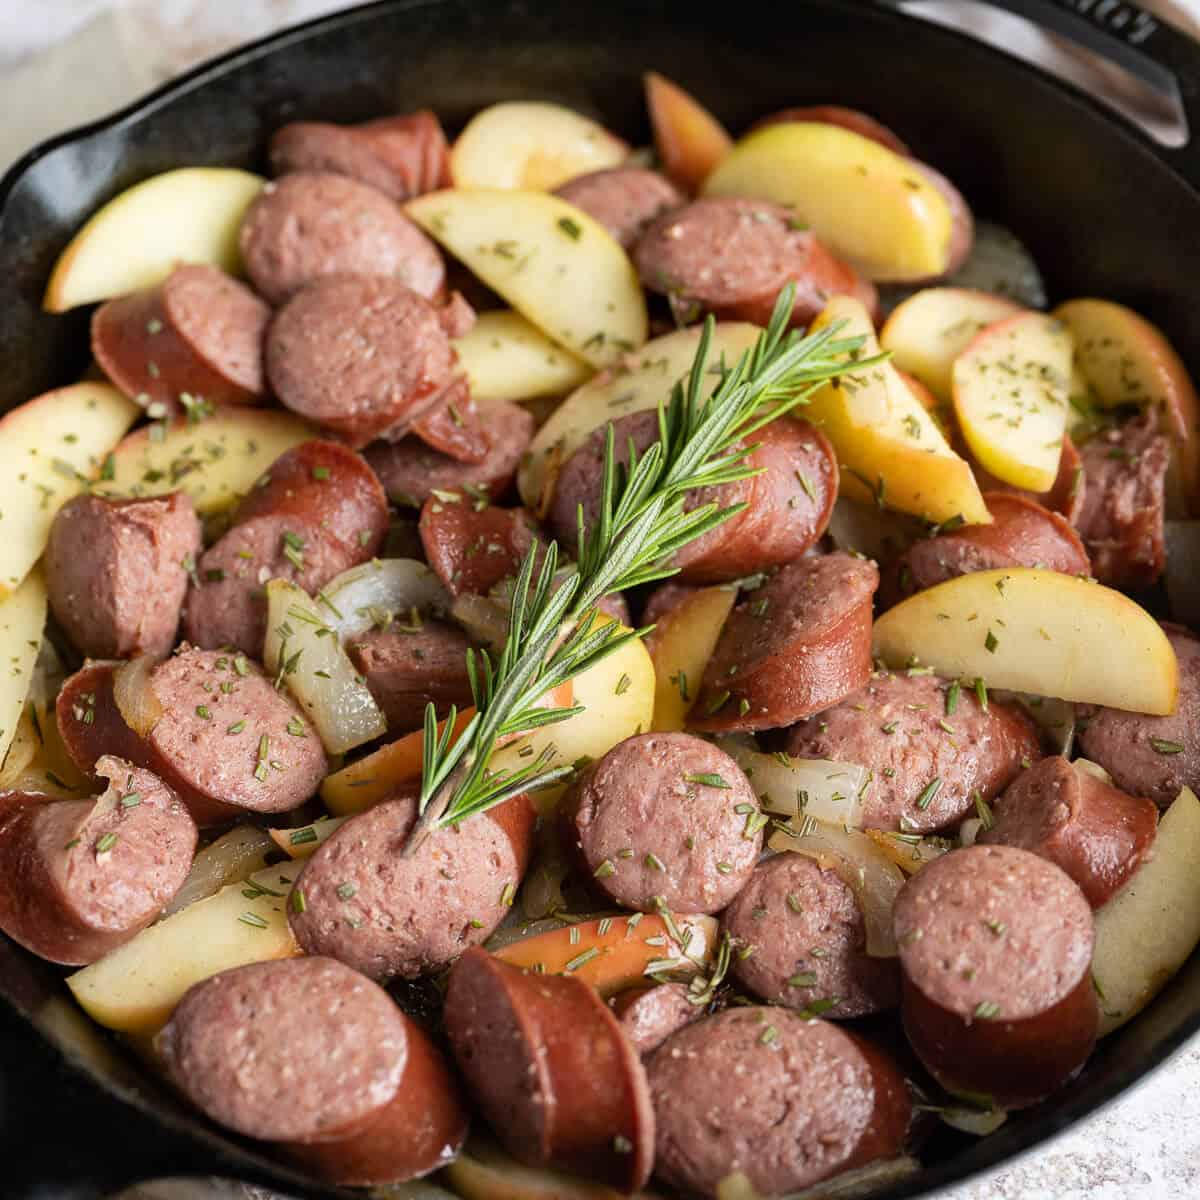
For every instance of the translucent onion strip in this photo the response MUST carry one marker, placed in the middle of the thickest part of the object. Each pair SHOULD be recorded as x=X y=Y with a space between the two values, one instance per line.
x=140 y=708
x=234 y=856
x=371 y=594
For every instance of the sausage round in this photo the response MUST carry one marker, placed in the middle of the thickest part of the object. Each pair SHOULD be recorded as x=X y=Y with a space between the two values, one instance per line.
x=1121 y=520
x=547 y=1063
x=923 y=775
x=787 y=1101
x=788 y=505
x=472 y=549
x=1098 y=835
x=732 y=257
x=797 y=645
x=1151 y=756
x=649 y=1015
x=625 y=200
x=80 y=877
x=848 y=118
x=311 y=224
x=1022 y=534
x=319 y=511
x=359 y=354
x=455 y=426
x=198 y=335
x=666 y=819
x=308 y=1054
x=89 y=722
x=411 y=471
x=402 y=157
x=802 y=936
x=406 y=670
x=1065 y=497
x=116 y=572
x=996 y=952
x=386 y=912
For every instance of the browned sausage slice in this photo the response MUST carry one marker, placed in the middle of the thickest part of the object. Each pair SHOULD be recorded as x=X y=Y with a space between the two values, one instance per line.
x=117 y=572
x=198 y=336
x=1152 y=756
x=666 y=819
x=923 y=773
x=312 y=224
x=1121 y=521
x=1022 y=534
x=402 y=157
x=625 y=200
x=1065 y=497
x=1097 y=834
x=455 y=426
x=732 y=257
x=785 y=1100
x=549 y=1066
x=387 y=913
x=308 y=1054
x=406 y=669
x=649 y=1015
x=996 y=950
x=80 y=877
x=411 y=471
x=89 y=721
x=802 y=941
x=797 y=645
x=472 y=548
x=835 y=114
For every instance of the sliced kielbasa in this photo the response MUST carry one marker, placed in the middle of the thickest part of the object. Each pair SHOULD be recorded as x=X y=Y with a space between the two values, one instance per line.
x=408 y=668
x=312 y=224
x=227 y=741
x=1065 y=497
x=307 y=1054
x=927 y=753
x=549 y=1067
x=317 y=512
x=361 y=355
x=787 y=508
x=411 y=471
x=802 y=941
x=732 y=257
x=1121 y=521
x=996 y=953
x=625 y=200
x=117 y=572
x=835 y=114
x=196 y=336
x=472 y=548
x=1022 y=534
x=795 y=646
x=402 y=156
x=1096 y=833
x=649 y=1015
x=785 y=1100
x=1152 y=756
x=666 y=819
x=386 y=911
x=455 y=426
x=80 y=877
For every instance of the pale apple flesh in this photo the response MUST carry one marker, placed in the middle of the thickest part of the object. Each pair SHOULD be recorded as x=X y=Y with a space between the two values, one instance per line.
x=22 y=623
x=680 y=646
x=690 y=141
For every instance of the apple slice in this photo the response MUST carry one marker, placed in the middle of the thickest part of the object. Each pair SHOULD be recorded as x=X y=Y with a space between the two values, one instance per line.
x=866 y=203
x=890 y=448
x=1011 y=397
x=549 y=260
x=680 y=646
x=50 y=448
x=507 y=358
x=1126 y=360
x=690 y=141
x=641 y=381
x=533 y=145
x=1031 y=630
x=190 y=215
x=934 y=326
x=216 y=460
x=22 y=621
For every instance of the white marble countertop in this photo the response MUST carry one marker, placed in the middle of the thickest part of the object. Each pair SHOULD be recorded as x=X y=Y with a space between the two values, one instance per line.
x=66 y=61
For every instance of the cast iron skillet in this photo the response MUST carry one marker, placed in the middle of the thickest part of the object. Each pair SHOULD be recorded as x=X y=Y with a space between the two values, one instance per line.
x=1105 y=211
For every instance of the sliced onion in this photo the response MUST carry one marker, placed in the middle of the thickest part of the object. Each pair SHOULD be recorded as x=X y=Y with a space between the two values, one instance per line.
x=909 y=851
x=849 y=1185
x=976 y=1121
x=233 y=856
x=372 y=593
x=140 y=708
x=862 y=865
x=1054 y=717
x=306 y=653
x=307 y=839
x=799 y=787
x=485 y=621
x=969 y=830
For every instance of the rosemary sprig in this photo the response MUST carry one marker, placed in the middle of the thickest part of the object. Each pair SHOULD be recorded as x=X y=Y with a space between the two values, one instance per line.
x=553 y=634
